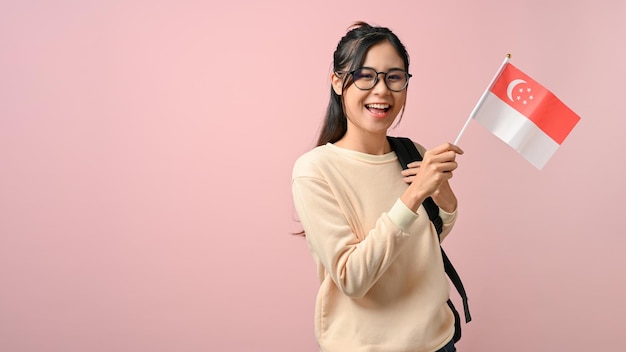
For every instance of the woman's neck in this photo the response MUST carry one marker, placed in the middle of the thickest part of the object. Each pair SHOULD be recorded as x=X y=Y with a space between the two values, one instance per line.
x=370 y=144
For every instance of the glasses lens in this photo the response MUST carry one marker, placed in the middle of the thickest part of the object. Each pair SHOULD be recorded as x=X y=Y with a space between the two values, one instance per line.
x=364 y=78
x=396 y=80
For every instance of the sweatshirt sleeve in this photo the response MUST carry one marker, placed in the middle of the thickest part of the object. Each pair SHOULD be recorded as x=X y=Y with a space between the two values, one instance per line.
x=402 y=216
x=353 y=264
x=449 y=219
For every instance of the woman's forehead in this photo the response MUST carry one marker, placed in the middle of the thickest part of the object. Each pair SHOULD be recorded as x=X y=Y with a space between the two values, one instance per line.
x=383 y=56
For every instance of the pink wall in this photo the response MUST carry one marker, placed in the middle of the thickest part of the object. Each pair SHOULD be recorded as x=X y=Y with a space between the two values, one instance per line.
x=146 y=150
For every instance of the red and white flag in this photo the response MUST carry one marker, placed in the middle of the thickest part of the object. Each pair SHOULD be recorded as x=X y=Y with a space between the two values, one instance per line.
x=525 y=115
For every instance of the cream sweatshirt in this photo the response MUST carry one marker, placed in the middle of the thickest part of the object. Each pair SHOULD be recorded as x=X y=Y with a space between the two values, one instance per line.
x=382 y=281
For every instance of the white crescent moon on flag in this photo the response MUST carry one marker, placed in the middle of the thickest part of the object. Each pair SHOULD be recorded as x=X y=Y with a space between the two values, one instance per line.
x=509 y=89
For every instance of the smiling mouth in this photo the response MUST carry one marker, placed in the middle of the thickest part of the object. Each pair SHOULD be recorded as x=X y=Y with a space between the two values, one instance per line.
x=378 y=108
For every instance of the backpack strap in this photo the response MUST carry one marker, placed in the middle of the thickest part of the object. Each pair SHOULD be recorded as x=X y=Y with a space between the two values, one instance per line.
x=407 y=153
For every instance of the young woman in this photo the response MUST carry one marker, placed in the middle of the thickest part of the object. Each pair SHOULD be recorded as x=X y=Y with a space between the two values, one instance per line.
x=382 y=280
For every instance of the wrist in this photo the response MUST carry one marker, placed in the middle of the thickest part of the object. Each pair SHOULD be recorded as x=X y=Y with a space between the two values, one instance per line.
x=413 y=199
x=448 y=208
x=446 y=203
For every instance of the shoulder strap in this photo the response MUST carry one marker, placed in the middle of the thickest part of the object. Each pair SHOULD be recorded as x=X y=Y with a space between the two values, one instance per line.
x=407 y=152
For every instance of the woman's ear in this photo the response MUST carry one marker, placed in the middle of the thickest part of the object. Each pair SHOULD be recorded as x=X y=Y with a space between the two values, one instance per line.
x=337 y=83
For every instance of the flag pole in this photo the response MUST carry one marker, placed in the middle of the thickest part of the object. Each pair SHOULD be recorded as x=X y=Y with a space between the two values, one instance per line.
x=482 y=98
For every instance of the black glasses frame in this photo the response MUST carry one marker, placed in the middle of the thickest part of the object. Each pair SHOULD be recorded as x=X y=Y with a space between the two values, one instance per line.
x=406 y=84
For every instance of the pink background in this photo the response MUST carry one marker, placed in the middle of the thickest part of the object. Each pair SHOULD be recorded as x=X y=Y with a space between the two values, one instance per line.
x=146 y=151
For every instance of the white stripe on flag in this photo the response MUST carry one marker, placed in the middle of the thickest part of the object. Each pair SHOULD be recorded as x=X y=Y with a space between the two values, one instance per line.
x=516 y=130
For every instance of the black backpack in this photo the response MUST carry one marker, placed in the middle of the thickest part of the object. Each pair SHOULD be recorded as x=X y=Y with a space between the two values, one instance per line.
x=408 y=153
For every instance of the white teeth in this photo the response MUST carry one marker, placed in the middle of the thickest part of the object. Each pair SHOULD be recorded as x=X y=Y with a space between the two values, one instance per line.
x=378 y=106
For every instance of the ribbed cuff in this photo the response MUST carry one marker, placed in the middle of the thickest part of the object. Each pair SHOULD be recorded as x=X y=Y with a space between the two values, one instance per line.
x=447 y=217
x=402 y=216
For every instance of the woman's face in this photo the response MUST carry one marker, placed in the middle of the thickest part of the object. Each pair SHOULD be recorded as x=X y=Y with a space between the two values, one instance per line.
x=373 y=111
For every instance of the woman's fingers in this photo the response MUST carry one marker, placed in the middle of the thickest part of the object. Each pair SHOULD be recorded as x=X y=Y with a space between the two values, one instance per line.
x=446 y=147
x=437 y=165
x=409 y=174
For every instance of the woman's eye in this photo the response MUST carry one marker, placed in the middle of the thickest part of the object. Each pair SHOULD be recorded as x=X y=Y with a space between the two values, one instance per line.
x=363 y=75
x=395 y=76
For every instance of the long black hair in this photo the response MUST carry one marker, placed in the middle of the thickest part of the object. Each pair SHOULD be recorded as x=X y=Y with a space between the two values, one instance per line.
x=350 y=55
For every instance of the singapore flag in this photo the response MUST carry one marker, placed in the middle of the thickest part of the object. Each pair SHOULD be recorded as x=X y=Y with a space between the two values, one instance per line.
x=526 y=116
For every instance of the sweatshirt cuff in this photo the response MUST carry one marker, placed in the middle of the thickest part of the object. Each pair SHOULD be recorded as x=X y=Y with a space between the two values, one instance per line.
x=447 y=217
x=402 y=216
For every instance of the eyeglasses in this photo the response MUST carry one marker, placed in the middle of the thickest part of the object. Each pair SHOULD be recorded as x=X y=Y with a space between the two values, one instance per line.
x=365 y=78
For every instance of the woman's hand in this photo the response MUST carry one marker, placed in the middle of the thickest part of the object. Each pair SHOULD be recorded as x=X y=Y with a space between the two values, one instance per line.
x=430 y=176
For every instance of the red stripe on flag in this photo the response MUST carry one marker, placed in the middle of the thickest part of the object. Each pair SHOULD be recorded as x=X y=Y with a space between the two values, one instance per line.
x=534 y=101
